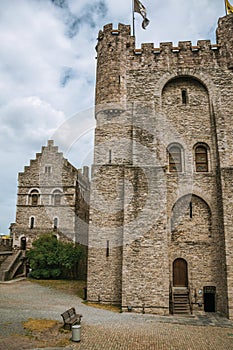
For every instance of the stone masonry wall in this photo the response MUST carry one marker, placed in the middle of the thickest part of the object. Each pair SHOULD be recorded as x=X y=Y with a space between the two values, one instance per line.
x=51 y=173
x=145 y=248
x=105 y=234
x=142 y=91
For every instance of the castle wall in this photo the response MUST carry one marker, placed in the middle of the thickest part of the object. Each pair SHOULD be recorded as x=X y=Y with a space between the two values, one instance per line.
x=105 y=234
x=227 y=181
x=145 y=269
x=194 y=237
x=160 y=97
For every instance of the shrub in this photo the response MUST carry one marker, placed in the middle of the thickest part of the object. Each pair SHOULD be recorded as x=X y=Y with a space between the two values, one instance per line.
x=52 y=259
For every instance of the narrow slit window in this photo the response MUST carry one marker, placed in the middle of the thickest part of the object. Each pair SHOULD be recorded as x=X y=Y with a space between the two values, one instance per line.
x=107 y=249
x=184 y=96
x=32 y=222
x=190 y=210
x=110 y=157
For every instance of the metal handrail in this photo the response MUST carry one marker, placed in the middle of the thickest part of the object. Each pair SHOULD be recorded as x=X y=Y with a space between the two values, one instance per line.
x=171 y=298
x=190 y=302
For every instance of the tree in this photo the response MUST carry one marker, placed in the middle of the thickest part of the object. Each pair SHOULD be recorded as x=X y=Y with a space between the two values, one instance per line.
x=50 y=258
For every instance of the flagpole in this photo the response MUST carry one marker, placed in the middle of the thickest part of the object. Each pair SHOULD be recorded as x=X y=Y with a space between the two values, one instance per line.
x=225 y=6
x=133 y=17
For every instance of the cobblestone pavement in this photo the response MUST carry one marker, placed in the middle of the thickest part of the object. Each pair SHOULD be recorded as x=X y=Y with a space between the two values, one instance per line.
x=105 y=330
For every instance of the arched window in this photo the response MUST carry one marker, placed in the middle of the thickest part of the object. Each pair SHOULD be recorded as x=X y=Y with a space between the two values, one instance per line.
x=57 y=195
x=34 y=197
x=32 y=222
x=201 y=158
x=55 y=223
x=175 y=158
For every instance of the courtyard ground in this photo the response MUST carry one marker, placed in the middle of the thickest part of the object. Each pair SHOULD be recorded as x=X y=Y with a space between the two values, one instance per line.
x=24 y=307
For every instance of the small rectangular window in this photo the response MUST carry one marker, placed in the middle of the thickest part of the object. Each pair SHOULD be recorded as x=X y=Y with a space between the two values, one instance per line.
x=184 y=96
x=48 y=169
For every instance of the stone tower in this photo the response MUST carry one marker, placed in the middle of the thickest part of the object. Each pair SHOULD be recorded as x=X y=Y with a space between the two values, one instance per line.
x=161 y=200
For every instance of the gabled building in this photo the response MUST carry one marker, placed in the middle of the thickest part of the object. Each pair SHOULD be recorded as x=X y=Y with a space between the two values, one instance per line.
x=53 y=196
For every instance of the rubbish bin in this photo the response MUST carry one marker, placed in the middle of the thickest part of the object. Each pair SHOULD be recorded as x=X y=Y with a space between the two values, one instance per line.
x=76 y=332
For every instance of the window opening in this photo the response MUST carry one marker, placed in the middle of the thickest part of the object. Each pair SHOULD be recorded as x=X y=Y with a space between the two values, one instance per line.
x=201 y=159
x=34 y=197
x=175 y=159
x=48 y=169
x=110 y=157
x=57 y=198
x=23 y=243
x=107 y=249
x=55 y=223
x=184 y=96
x=32 y=222
x=190 y=210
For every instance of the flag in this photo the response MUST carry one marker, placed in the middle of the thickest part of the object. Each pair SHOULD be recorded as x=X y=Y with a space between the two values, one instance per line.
x=229 y=7
x=139 y=8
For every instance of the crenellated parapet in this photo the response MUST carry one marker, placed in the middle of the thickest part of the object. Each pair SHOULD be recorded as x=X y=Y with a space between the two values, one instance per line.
x=117 y=54
x=183 y=46
x=121 y=38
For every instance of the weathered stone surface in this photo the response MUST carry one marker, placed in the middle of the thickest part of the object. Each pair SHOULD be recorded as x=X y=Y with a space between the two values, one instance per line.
x=147 y=100
x=51 y=175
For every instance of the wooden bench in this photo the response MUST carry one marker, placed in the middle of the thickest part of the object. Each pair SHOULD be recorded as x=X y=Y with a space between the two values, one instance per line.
x=70 y=317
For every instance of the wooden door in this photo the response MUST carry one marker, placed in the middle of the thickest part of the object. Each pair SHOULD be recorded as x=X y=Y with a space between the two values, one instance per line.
x=180 y=273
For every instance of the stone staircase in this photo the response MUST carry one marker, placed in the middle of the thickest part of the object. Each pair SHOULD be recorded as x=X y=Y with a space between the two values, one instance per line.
x=12 y=265
x=181 y=304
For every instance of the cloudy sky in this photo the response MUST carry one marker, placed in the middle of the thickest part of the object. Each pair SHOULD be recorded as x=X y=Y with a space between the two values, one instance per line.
x=47 y=72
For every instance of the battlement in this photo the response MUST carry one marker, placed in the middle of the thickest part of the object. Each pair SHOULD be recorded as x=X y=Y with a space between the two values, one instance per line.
x=112 y=37
x=118 y=56
x=182 y=46
x=122 y=29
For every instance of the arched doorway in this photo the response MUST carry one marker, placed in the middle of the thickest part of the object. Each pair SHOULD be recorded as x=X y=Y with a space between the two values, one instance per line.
x=23 y=243
x=180 y=273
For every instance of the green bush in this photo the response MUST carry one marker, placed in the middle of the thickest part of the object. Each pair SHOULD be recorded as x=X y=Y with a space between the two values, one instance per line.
x=52 y=259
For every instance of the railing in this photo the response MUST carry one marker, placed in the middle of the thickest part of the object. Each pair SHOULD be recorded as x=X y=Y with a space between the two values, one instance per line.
x=190 y=300
x=171 y=299
x=5 y=244
x=14 y=266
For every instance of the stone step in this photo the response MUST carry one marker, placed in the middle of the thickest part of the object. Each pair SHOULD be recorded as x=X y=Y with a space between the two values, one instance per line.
x=181 y=307
x=7 y=264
